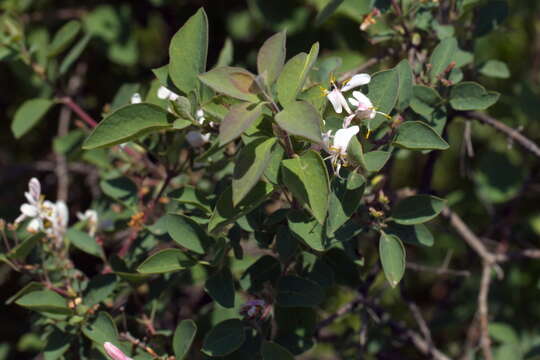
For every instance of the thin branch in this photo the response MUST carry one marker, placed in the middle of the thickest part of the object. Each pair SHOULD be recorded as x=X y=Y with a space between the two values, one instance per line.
x=470 y=238
x=508 y=131
x=68 y=101
x=483 y=311
x=437 y=270
x=360 y=68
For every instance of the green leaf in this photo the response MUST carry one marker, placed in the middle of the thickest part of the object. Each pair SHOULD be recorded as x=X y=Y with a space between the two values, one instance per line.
x=183 y=338
x=392 y=254
x=272 y=171
x=165 y=261
x=224 y=338
x=233 y=81
x=307 y=178
x=226 y=213
x=344 y=199
x=471 y=96
x=101 y=330
x=127 y=123
x=384 y=89
x=417 y=234
x=425 y=100
x=443 y=54
x=28 y=288
x=405 y=91
x=286 y=244
x=330 y=8
x=266 y=269
x=238 y=119
x=271 y=58
x=417 y=209
x=21 y=251
x=28 y=115
x=294 y=291
x=308 y=230
x=99 y=289
x=220 y=287
x=226 y=55
x=187 y=52
x=44 y=300
x=416 y=135
x=294 y=75
x=84 y=242
x=120 y=188
x=495 y=69
x=300 y=118
x=64 y=37
x=250 y=165
x=375 y=160
x=74 y=54
x=58 y=343
x=190 y=195
x=187 y=233
x=273 y=351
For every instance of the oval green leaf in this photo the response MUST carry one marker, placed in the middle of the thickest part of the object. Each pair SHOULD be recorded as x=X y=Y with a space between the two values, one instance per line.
x=469 y=95
x=416 y=135
x=271 y=57
x=273 y=351
x=237 y=120
x=183 y=338
x=165 y=261
x=224 y=338
x=295 y=291
x=128 y=122
x=28 y=115
x=392 y=254
x=187 y=233
x=417 y=209
x=220 y=287
x=300 y=118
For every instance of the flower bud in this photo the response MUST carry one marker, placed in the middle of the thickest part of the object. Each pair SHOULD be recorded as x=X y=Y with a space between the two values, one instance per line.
x=114 y=352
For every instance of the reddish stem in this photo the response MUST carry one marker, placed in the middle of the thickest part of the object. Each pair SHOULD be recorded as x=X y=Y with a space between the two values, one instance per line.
x=68 y=101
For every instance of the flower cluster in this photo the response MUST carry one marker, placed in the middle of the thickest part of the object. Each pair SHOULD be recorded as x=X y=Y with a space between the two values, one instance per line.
x=359 y=106
x=255 y=309
x=51 y=218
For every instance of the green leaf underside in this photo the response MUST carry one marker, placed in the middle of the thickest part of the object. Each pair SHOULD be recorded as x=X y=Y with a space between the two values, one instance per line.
x=417 y=209
x=392 y=255
x=307 y=178
x=165 y=261
x=237 y=120
x=183 y=338
x=271 y=57
x=294 y=75
x=416 y=135
x=250 y=165
x=233 y=81
x=187 y=51
x=300 y=118
x=224 y=338
x=127 y=123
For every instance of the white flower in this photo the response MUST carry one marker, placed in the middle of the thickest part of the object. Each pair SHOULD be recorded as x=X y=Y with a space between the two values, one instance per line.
x=91 y=218
x=337 y=145
x=200 y=116
x=196 y=138
x=136 y=98
x=165 y=94
x=52 y=218
x=336 y=97
x=114 y=352
x=364 y=108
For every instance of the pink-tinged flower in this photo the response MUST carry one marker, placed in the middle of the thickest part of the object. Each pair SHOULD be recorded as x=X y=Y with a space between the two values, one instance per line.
x=364 y=108
x=253 y=309
x=114 y=352
x=336 y=97
x=337 y=146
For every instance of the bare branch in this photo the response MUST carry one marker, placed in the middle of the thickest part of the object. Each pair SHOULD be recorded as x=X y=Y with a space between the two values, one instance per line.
x=511 y=133
x=437 y=270
x=483 y=311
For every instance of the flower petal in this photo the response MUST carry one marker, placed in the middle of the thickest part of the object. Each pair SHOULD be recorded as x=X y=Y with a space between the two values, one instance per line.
x=29 y=210
x=163 y=93
x=136 y=98
x=363 y=101
x=343 y=137
x=356 y=81
x=333 y=97
x=114 y=352
x=34 y=226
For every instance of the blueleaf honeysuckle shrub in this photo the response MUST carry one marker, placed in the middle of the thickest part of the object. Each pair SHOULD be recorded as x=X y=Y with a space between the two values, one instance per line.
x=258 y=194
